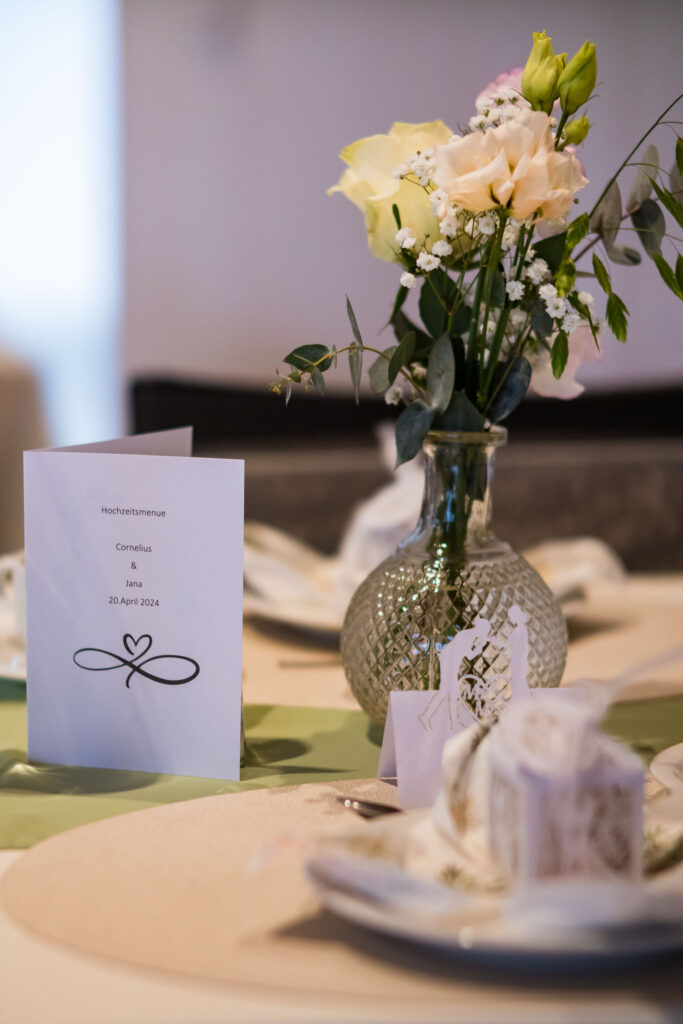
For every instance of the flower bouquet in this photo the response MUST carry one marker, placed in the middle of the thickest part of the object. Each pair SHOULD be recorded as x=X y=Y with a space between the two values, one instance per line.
x=483 y=222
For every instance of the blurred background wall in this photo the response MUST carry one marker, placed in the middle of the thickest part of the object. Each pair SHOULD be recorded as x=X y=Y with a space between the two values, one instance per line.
x=60 y=207
x=165 y=233
x=235 y=111
x=165 y=163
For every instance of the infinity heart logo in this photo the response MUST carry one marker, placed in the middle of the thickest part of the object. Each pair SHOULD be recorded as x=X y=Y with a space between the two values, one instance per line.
x=95 y=659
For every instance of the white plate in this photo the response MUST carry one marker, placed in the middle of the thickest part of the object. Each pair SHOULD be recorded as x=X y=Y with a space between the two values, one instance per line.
x=289 y=582
x=667 y=767
x=491 y=938
x=311 y=618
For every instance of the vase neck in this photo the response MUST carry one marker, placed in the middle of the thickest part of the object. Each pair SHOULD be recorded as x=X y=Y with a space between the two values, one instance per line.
x=456 y=514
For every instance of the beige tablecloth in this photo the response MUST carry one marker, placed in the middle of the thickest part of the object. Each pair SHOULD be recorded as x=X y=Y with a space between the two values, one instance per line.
x=40 y=981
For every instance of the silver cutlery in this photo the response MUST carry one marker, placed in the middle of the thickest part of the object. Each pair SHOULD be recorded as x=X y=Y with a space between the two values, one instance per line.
x=367 y=808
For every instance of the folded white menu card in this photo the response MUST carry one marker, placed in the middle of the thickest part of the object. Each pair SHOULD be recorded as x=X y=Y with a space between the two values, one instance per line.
x=134 y=555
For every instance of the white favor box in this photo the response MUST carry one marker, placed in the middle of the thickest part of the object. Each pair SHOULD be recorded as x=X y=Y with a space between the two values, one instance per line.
x=588 y=822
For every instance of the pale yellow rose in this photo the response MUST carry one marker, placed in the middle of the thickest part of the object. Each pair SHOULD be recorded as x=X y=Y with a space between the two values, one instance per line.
x=369 y=182
x=514 y=165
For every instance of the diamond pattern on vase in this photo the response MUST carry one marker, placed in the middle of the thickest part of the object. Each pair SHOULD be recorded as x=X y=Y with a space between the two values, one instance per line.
x=403 y=613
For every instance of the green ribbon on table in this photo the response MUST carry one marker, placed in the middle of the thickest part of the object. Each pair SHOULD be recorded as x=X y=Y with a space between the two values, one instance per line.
x=285 y=746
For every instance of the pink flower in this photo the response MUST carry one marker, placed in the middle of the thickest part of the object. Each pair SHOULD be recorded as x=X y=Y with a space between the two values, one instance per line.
x=582 y=348
x=511 y=80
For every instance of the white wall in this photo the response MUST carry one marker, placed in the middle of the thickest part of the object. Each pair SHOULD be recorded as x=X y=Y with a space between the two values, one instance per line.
x=60 y=274
x=235 y=112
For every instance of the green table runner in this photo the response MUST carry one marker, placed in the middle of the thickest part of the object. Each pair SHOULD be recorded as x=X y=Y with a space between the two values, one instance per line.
x=286 y=746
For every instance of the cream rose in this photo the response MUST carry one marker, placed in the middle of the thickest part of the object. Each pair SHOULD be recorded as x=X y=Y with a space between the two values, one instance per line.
x=514 y=165
x=369 y=182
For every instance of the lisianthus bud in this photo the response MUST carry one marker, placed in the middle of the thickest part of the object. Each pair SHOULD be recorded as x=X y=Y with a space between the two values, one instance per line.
x=577 y=81
x=577 y=130
x=540 y=76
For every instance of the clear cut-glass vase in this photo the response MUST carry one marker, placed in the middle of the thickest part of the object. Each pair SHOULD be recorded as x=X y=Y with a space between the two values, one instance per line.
x=449 y=571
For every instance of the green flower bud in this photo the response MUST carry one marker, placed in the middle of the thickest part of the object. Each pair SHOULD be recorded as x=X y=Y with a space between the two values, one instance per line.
x=540 y=76
x=577 y=130
x=577 y=81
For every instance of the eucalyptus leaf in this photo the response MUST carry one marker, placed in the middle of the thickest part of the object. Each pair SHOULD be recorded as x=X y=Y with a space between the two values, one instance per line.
x=354 y=323
x=648 y=220
x=541 y=323
x=356 y=369
x=401 y=296
x=411 y=429
x=498 y=290
x=513 y=390
x=551 y=250
x=460 y=321
x=397 y=215
x=616 y=313
x=441 y=374
x=559 y=354
x=318 y=380
x=432 y=312
x=461 y=414
x=460 y=359
x=607 y=215
x=577 y=231
x=302 y=357
x=668 y=276
x=679 y=154
x=379 y=371
x=603 y=277
x=402 y=356
x=642 y=186
x=566 y=276
x=623 y=254
x=437 y=295
x=401 y=325
x=423 y=347
x=670 y=202
x=679 y=271
x=676 y=179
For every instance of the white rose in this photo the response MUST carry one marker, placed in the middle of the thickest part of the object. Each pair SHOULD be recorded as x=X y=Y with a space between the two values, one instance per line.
x=369 y=182
x=514 y=165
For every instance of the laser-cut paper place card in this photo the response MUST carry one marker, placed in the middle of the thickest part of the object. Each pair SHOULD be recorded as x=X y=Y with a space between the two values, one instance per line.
x=420 y=721
x=134 y=555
